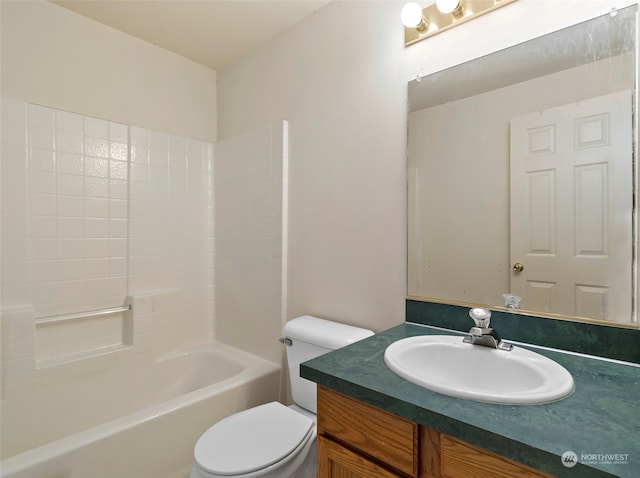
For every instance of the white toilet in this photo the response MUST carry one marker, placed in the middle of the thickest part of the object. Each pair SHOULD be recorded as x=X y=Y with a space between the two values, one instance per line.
x=273 y=440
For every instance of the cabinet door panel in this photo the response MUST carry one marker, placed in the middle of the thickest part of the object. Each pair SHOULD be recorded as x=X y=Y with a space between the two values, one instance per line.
x=335 y=461
x=374 y=432
x=458 y=460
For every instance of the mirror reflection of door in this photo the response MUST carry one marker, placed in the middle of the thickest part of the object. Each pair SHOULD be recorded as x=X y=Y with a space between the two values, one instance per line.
x=572 y=229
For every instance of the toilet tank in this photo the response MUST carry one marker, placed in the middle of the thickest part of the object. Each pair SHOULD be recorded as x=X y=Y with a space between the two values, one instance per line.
x=311 y=337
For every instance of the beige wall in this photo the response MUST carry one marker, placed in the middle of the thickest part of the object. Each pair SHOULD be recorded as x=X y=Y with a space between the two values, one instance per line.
x=339 y=78
x=53 y=57
x=330 y=79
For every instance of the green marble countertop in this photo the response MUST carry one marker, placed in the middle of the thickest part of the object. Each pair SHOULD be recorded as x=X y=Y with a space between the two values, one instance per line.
x=601 y=417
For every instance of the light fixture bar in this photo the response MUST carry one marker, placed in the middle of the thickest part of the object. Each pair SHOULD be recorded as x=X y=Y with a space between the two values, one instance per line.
x=438 y=22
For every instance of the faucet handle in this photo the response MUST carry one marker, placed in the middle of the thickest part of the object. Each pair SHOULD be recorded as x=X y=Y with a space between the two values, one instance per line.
x=511 y=301
x=481 y=317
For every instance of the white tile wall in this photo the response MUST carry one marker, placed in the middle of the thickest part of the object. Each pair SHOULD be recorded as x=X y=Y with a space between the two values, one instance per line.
x=55 y=250
x=92 y=211
x=250 y=230
x=171 y=231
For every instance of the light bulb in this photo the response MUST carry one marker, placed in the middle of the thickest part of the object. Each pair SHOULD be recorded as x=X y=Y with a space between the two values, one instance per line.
x=447 y=6
x=411 y=15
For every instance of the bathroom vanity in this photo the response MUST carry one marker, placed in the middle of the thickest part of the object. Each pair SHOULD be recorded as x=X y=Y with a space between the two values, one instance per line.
x=358 y=440
x=372 y=423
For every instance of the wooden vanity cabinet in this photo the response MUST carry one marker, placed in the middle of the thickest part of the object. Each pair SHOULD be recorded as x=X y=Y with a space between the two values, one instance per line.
x=380 y=440
x=357 y=440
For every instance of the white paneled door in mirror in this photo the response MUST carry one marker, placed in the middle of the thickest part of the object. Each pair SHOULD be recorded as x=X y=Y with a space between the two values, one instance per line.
x=572 y=206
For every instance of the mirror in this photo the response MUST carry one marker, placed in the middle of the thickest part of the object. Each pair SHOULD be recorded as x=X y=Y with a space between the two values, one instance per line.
x=521 y=176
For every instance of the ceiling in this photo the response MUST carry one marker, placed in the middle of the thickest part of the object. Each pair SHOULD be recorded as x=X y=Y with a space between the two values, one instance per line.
x=210 y=32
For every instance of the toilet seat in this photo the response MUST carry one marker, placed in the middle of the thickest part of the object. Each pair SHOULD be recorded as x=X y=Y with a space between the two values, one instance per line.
x=253 y=440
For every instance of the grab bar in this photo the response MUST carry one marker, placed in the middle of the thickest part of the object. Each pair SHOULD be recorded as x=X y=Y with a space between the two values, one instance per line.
x=56 y=319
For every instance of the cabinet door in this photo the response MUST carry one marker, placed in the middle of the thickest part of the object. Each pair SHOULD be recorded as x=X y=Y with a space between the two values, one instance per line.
x=460 y=460
x=335 y=461
x=369 y=431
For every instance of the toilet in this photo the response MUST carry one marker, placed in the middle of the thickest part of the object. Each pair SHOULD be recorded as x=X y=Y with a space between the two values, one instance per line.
x=274 y=440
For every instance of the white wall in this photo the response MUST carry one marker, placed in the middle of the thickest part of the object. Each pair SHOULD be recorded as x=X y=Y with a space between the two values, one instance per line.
x=54 y=57
x=340 y=78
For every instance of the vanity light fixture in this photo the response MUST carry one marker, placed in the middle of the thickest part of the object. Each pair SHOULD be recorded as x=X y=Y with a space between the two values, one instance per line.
x=420 y=23
x=454 y=7
x=412 y=17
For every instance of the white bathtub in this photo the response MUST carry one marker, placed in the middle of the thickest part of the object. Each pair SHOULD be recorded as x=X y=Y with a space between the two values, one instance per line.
x=155 y=414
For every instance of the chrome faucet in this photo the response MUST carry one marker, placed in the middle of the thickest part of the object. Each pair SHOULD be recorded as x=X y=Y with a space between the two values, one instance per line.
x=482 y=334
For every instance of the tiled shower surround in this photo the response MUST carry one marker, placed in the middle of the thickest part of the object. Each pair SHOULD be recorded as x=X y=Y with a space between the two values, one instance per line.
x=98 y=215
x=64 y=210
x=250 y=239
x=94 y=211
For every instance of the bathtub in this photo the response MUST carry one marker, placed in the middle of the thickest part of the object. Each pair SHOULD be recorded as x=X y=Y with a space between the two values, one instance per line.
x=154 y=414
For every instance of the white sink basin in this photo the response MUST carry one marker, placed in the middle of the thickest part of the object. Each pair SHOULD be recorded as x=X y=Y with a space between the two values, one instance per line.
x=444 y=364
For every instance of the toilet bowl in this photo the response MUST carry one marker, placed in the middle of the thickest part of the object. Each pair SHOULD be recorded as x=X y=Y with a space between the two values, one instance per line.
x=274 y=440
x=268 y=441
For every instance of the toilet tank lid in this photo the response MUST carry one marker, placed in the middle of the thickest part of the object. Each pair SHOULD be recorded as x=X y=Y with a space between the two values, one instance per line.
x=324 y=333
